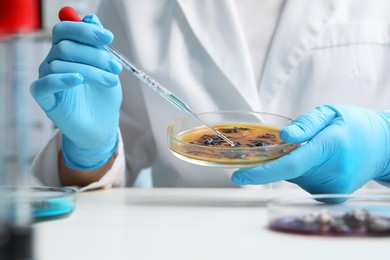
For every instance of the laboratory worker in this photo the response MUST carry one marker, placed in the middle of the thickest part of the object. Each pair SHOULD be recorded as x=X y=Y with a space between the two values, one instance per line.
x=324 y=63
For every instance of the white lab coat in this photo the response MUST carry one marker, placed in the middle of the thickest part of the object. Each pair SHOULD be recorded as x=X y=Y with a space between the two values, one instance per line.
x=324 y=51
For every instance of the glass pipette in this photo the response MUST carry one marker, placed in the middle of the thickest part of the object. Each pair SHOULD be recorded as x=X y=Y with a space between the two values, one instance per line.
x=67 y=13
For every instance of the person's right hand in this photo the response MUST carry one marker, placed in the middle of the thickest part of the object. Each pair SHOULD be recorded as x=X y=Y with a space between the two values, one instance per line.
x=79 y=89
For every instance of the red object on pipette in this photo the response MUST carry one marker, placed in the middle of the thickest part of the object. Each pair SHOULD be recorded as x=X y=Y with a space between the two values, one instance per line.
x=67 y=13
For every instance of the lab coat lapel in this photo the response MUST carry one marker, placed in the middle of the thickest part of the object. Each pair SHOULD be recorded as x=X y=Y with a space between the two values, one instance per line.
x=300 y=22
x=217 y=27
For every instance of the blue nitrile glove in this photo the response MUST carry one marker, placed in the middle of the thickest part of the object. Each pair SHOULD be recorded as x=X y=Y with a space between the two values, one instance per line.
x=347 y=146
x=79 y=89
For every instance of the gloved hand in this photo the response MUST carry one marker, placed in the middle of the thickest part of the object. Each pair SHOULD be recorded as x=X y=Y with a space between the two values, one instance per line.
x=79 y=89
x=347 y=146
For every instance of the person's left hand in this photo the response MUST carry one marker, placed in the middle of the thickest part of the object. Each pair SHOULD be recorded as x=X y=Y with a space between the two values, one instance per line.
x=347 y=146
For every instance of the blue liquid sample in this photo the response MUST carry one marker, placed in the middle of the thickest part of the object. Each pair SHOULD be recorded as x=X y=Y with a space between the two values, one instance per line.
x=37 y=203
x=51 y=208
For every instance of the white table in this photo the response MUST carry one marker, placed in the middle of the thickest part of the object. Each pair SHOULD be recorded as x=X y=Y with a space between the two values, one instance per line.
x=186 y=224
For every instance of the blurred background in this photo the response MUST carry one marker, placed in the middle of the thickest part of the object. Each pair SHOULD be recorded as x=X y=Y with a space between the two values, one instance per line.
x=25 y=39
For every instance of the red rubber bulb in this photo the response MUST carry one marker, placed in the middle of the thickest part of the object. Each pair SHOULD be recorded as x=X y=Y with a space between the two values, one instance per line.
x=67 y=13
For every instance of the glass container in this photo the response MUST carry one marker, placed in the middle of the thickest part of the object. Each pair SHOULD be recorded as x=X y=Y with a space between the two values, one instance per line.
x=331 y=215
x=257 y=135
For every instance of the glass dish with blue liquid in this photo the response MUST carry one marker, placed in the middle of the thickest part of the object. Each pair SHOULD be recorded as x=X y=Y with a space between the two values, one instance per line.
x=40 y=203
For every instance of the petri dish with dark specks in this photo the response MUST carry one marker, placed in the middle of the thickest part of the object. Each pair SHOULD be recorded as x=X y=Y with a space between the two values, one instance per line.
x=256 y=135
x=331 y=215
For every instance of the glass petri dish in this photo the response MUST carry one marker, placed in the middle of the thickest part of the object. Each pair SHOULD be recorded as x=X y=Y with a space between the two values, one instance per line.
x=331 y=215
x=41 y=203
x=256 y=132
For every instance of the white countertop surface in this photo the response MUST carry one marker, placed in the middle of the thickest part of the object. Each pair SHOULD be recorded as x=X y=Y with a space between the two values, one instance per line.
x=187 y=224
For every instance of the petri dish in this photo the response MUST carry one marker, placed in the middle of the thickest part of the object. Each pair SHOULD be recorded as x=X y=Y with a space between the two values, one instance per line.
x=41 y=203
x=331 y=215
x=257 y=134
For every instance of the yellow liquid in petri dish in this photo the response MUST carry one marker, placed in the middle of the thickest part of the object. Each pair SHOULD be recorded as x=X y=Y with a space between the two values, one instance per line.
x=255 y=144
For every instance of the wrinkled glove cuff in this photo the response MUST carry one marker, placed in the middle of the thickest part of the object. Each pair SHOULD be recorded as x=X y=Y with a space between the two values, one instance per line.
x=87 y=159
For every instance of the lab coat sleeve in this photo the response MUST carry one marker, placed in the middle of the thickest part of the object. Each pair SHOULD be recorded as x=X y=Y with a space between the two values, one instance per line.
x=45 y=167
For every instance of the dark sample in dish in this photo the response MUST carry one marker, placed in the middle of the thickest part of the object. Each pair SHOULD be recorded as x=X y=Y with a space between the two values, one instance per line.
x=255 y=135
x=250 y=136
x=257 y=143
x=357 y=222
x=233 y=130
